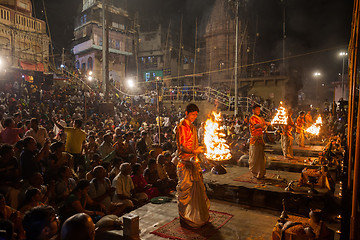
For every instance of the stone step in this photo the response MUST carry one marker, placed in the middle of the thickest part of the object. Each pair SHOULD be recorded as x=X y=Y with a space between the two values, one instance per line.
x=268 y=195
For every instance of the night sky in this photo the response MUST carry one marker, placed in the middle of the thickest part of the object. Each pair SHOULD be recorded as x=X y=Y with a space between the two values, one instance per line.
x=311 y=26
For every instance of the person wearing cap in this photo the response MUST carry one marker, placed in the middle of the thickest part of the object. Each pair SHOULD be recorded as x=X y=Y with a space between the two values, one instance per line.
x=257 y=160
x=193 y=202
x=300 y=125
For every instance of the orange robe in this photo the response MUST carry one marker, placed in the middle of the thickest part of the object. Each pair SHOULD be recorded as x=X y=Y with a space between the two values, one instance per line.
x=300 y=139
x=287 y=139
x=193 y=202
x=257 y=160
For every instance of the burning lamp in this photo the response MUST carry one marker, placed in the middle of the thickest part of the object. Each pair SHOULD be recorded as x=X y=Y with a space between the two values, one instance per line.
x=217 y=150
x=315 y=128
x=281 y=116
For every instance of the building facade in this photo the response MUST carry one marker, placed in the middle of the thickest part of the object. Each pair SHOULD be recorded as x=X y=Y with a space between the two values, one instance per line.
x=87 y=46
x=24 y=43
x=159 y=56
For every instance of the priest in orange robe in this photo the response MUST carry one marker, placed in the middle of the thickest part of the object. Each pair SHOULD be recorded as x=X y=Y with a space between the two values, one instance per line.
x=193 y=202
x=257 y=160
x=287 y=137
x=300 y=125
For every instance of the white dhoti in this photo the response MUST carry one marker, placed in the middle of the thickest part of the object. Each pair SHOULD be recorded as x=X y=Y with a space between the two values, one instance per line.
x=193 y=202
x=257 y=160
x=300 y=139
x=286 y=145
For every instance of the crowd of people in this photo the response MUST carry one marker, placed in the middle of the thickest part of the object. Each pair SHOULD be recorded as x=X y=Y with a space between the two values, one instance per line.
x=63 y=158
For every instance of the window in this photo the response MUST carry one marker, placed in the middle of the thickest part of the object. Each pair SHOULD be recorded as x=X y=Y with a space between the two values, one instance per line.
x=117 y=44
x=83 y=67
x=186 y=60
x=77 y=64
x=147 y=76
x=90 y=63
x=83 y=19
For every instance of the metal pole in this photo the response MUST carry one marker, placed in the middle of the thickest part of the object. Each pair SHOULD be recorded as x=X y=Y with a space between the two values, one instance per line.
x=210 y=71
x=158 y=108
x=354 y=231
x=236 y=58
x=194 y=72
x=284 y=36
x=342 y=77
x=180 y=47
x=105 y=51
x=63 y=57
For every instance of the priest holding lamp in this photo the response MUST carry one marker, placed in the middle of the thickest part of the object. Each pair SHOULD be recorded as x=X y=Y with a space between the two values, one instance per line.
x=193 y=202
x=257 y=160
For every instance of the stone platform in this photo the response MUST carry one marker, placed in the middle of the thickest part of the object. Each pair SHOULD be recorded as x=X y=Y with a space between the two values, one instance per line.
x=278 y=162
x=243 y=225
x=223 y=187
x=296 y=164
x=307 y=151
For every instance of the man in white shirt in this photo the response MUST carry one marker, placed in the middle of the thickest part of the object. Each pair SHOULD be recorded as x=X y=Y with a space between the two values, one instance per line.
x=100 y=190
x=37 y=132
x=106 y=147
x=124 y=188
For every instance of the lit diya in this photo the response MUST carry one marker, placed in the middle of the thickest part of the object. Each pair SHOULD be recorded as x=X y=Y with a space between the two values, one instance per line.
x=217 y=151
x=315 y=128
x=281 y=116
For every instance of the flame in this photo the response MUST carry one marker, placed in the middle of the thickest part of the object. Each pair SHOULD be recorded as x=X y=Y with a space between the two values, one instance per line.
x=281 y=116
x=315 y=128
x=319 y=120
x=216 y=147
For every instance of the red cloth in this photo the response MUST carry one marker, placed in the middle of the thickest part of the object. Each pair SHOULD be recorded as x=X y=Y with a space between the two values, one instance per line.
x=10 y=135
x=140 y=182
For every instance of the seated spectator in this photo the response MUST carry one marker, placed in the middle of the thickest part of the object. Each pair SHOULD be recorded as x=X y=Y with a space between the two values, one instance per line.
x=168 y=184
x=125 y=190
x=6 y=229
x=9 y=174
x=115 y=168
x=119 y=147
x=95 y=161
x=152 y=177
x=47 y=192
x=64 y=184
x=141 y=146
x=18 y=148
x=10 y=134
x=79 y=202
x=32 y=199
x=156 y=150
x=140 y=183
x=41 y=223
x=37 y=132
x=170 y=167
x=10 y=214
x=101 y=191
x=30 y=159
x=58 y=158
x=91 y=147
x=78 y=227
x=106 y=146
